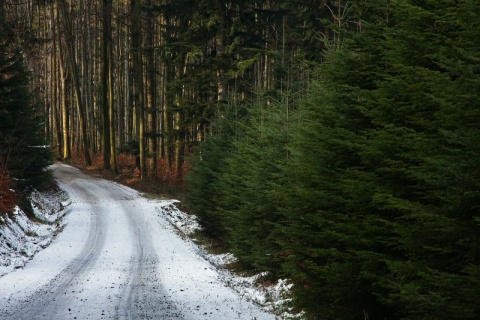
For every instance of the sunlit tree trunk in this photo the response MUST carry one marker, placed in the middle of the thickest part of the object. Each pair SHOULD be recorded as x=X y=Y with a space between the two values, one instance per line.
x=63 y=94
x=75 y=80
x=151 y=94
x=55 y=79
x=67 y=153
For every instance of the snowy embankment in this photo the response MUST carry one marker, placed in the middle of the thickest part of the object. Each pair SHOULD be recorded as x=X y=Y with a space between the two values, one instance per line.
x=273 y=298
x=21 y=238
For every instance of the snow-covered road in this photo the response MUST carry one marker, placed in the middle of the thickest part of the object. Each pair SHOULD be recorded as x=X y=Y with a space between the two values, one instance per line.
x=117 y=259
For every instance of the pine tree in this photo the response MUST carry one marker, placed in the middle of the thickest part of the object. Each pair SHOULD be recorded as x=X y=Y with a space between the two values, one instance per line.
x=375 y=213
x=22 y=149
x=233 y=188
x=326 y=205
x=206 y=172
x=432 y=56
x=248 y=193
x=381 y=220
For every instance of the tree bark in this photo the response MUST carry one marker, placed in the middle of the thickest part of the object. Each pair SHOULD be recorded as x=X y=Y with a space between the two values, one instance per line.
x=63 y=94
x=111 y=110
x=75 y=80
x=151 y=100
x=220 y=44
x=67 y=151
x=105 y=85
x=138 y=80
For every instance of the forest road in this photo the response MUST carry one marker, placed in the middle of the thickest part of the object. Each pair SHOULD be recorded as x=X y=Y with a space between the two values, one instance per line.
x=116 y=259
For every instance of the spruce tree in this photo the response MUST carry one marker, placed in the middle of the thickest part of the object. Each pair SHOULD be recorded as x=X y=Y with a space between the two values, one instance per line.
x=249 y=186
x=234 y=186
x=381 y=220
x=432 y=56
x=375 y=212
x=205 y=174
x=326 y=204
x=23 y=151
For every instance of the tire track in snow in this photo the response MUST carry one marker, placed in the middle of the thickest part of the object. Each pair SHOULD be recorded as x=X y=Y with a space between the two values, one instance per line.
x=45 y=302
x=143 y=296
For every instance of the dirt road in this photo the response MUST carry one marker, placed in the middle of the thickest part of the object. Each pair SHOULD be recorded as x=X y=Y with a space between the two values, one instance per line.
x=117 y=259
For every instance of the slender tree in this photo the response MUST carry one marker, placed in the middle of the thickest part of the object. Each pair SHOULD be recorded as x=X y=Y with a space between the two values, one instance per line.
x=106 y=70
x=151 y=91
x=136 y=34
x=111 y=99
x=67 y=28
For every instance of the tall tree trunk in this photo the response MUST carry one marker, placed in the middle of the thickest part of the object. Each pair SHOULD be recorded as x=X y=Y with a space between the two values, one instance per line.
x=151 y=100
x=88 y=62
x=111 y=111
x=55 y=96
x=220 y=49
x=179 y=139
x=138 y=80
x=107 y=6
x=167 y=116
x=67 y=151
x=48 y=81
x=181 y=70
x=63 y=94
x=75 y=80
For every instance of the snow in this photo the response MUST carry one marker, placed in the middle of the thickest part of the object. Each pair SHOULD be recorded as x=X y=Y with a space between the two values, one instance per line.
x=173 y=272
x=21 y=238
x=274 y=298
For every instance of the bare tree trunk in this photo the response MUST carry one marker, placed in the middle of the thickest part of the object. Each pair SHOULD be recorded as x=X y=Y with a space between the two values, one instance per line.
x=151 y=100
x=76 y=80
x=107 y=5
x=167 y=118
x=179 y=139
x=88 y=62
x=179 y=121
x=111 y=111
x=47 y=79
x=220 y=48
x=138 y=80
x=67 y=151
x=63 y=94
x=55 y=79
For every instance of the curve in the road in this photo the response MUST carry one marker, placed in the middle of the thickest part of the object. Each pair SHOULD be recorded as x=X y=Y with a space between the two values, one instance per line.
x=40 y=304
x=118 y=259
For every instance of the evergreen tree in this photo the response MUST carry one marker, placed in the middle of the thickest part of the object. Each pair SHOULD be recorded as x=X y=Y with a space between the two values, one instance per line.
x=206 y=172
x=234 y=186
x=249 y=186
x=374 y=214
x=22 y=149
x=381 y=220
x=326 y=205
x=432 y=58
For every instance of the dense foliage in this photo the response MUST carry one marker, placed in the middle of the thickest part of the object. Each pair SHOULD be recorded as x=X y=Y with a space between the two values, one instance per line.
x=369 y=202
x=23 y=153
